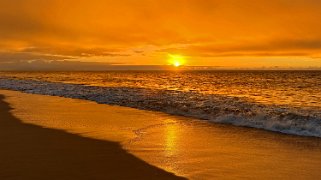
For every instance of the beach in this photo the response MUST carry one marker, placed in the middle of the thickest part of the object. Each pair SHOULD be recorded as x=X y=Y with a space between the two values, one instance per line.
x=61 y=138
x=34 y=152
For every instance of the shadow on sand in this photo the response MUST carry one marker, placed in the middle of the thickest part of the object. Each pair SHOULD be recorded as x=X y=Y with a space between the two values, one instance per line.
x=32 y=152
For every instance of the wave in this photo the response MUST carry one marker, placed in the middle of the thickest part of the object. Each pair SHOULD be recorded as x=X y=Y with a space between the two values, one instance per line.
x=215 y=108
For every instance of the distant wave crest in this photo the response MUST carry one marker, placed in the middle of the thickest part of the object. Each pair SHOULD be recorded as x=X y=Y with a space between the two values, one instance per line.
x=215 y=108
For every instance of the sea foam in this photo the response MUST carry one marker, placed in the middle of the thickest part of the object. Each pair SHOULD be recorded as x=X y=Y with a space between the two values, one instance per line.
x=211 y=107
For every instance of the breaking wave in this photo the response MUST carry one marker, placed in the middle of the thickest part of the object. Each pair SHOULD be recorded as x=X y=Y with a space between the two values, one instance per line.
x=215 y=108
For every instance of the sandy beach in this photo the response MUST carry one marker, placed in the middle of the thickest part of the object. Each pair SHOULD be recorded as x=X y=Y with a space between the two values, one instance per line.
x=60 y=138
x=33 y=152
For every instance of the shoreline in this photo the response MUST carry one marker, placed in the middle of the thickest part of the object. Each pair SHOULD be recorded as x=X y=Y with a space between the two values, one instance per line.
x=211 y=107
x=34 y=152
x=187 y=147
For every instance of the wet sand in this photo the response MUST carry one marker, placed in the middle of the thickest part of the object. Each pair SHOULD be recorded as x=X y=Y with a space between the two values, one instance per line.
x=187 y=147
x=33 y=152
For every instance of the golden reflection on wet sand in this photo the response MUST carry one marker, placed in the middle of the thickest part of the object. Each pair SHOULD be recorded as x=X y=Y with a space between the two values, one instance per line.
x=171 y=138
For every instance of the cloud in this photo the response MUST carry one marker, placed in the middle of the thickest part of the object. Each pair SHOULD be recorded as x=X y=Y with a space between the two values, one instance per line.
x=52 y=65
x=126 y=29
x=58 y=65
x=6 y=57
x=285 y=47
x=77 y=52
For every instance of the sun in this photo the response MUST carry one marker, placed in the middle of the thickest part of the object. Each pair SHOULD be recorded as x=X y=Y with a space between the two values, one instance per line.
x=177 y=64
x=176 y=60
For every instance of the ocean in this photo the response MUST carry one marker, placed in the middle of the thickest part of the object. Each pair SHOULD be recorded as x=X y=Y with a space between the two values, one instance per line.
x=281 y=101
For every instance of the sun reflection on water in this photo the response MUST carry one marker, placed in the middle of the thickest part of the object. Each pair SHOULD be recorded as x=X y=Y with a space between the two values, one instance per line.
x=171 y=138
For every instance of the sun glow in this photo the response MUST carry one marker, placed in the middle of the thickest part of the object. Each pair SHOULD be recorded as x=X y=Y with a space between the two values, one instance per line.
x=177 y=64
x=176 y=60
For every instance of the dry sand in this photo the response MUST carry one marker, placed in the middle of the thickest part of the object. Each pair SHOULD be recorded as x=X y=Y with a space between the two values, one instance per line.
x=33 y=152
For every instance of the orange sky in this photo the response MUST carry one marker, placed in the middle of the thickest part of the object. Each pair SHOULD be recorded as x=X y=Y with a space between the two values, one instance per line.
x=229 y=33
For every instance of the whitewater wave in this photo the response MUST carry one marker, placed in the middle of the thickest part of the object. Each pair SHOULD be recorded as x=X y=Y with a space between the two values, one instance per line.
x=215 y=108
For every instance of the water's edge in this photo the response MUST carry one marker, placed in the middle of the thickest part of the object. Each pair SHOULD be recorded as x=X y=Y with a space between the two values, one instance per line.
x=214 y=108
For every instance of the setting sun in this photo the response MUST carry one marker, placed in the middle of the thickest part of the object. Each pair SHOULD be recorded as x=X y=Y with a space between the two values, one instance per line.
x=176 y=60
x=177 y=64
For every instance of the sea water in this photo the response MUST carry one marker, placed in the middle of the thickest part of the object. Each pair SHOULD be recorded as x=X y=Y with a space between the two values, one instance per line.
x=282 y=101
